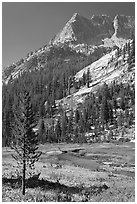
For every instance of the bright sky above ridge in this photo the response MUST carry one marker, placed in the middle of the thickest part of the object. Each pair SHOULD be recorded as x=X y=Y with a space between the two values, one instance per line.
x=27 y=26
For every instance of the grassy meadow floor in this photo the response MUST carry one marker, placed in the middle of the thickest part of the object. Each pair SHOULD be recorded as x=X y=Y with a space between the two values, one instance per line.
x=98 y=172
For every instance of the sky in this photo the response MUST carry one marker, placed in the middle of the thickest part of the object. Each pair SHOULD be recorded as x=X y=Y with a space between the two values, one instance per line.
x=27 y=26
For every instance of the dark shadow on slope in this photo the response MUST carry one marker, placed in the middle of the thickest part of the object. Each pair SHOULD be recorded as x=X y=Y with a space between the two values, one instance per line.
x=46 y=185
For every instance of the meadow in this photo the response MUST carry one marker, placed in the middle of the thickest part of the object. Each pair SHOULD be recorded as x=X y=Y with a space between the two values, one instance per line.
x=100 y=172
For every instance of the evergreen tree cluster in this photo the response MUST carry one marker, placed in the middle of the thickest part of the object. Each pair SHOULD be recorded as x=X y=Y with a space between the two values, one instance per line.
x=49 y=77
x=109 y=106
x=128 y=51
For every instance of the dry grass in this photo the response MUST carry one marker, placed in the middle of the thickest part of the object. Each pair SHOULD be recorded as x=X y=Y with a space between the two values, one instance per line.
x=103 y=164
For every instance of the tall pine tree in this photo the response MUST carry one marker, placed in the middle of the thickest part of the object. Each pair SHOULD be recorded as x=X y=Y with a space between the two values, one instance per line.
x=26 y=144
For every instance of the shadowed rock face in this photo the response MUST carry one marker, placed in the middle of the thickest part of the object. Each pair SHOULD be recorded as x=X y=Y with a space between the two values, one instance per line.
x=92 y=31
x=124 y=26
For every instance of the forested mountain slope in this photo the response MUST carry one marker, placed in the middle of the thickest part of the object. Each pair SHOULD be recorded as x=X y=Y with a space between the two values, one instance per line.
x=83 y=81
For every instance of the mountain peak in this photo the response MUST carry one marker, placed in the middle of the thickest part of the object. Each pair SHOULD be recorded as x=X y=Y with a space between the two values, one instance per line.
x=75 y=15
x=79 y=30
x=74 y=18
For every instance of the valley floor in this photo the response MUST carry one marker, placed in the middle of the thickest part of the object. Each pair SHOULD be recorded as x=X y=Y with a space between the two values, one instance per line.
x=100 y=172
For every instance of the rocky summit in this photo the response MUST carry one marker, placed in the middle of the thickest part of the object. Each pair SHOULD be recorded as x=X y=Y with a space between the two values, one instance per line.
x=91 y=37
x=93 y=31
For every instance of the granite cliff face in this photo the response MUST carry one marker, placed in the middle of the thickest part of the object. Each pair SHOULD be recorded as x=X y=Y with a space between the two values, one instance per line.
x=93 y=31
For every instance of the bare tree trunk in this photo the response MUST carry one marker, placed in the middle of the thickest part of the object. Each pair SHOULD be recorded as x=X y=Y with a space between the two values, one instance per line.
x=23 y=177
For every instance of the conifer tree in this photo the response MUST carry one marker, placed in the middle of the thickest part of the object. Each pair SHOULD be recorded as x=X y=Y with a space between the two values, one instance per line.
x=110 y=112
x=76 y=85
x=53 y=93
x=118 y=52
x=64 y=127
x=122 y=103
x=85 y=118
x=69 y=84
x=81 y=124
x=5 y=130
x=88 y=77
x=105 y=91
x=70 y=125
x=41 y=130
x=114 y=103
x=64 y=84
x=53 y=99
x=76 y=133
x=120 y=119
x=26 y=144
x=132 y=52
x=84 y=79
x=42 y=110
x=124 y=53
x=104 y=111
x=93 y=114
x=7 y=119
x=77 y=116
x=58 y=130
x=128 y=48
x=131 y=118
